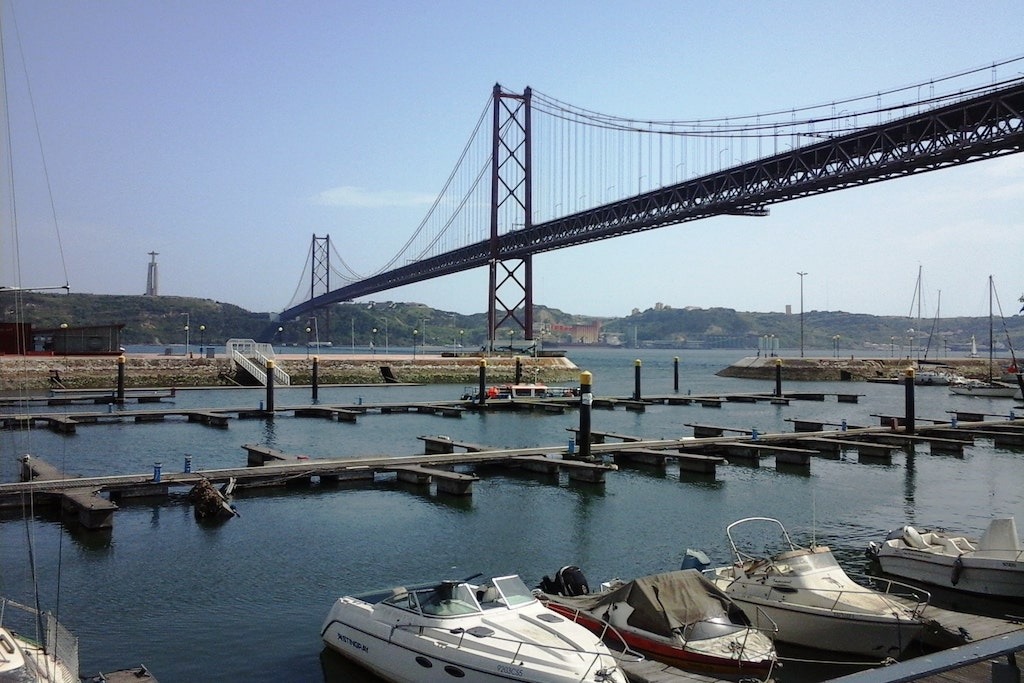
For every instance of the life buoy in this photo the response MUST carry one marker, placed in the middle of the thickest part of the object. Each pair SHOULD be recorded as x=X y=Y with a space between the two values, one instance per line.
x=958 y=569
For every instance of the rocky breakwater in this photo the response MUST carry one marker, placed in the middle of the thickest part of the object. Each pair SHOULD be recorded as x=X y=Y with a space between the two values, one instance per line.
x=41 y=373
x=844 y=369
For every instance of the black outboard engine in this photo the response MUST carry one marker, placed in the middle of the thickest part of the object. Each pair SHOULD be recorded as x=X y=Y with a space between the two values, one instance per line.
x=569 y=581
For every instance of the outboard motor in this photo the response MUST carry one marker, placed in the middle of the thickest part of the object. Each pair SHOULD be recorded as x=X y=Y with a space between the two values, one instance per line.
x=695 y=559
x=568 y=581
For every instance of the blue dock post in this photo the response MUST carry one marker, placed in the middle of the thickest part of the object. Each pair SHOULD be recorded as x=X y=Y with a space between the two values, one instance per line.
x=481 y=393
x=188 y=464
x=156 y=471
x=586 y=401
x=909 y=383
x=120 y=379
x=636 y=379
x=270 y=387
x=316 y=378
x=778 y=378
x=675 y=374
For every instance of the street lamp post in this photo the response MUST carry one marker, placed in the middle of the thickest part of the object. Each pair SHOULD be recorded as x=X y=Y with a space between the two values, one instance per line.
x=64 y=341
x=801 y=274
x=187 y=320
x=414 y=333
x=202 y=339
x=373 y=341
x=308 y=330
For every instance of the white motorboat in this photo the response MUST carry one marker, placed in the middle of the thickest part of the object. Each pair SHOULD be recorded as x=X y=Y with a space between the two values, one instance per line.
x=993 y=565
x=492 y=632
x=678 y=618
x=815 y=603
x=978 y=387
x=52 y=659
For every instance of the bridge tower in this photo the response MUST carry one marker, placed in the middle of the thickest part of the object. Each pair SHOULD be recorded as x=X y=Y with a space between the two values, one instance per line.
x=320 y=283
x=510 y=282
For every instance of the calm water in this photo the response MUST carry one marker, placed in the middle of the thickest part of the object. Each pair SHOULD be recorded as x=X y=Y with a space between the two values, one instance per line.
x=244 y=601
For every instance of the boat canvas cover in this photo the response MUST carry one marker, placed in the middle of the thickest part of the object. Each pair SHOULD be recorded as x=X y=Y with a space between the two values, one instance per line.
x=662 y=603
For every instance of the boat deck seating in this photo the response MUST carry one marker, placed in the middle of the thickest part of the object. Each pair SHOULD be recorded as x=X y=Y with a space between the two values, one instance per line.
x=930 y=542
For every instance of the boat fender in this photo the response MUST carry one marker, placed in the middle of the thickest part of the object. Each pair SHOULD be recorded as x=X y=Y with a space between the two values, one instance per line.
x=958 y=569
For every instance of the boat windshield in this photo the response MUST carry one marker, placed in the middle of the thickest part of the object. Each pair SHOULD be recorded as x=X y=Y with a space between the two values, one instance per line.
x=802 y=562
x=513 y=590
x=447 y=599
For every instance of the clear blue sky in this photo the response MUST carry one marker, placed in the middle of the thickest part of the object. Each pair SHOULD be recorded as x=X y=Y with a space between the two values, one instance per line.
x=208 y=131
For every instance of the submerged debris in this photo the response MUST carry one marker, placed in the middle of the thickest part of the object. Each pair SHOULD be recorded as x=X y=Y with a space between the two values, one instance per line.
x=209 y=502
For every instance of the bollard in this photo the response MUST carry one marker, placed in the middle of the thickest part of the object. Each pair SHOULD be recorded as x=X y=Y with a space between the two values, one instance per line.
x=316 y=378
x=778 y=378
x=156 y=471
x=120 y=379
x=270 y=386
x=675 y=374
x=953 y=422
x=586 y=401
x=909 y=382
x=359 y=400
x=842 y=426
x=753 y=434
x=636 y=380
x=519 y=370
x=481 y=394
x=188 y=464
x=572 y=446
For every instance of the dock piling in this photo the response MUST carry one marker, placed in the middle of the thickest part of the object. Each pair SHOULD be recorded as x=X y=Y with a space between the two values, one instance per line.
x=519 y=370
x=270 y=387
x=586 y=401
x=636 y=379
x=316 y=378
x=909 y=383
x=481 y=393
x=120 y=379
x=675 y=374
x=778 y=378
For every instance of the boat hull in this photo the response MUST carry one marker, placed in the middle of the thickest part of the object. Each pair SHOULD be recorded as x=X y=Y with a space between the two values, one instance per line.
x=980 y=576
x=436 y=654
x=865 y=636
x=672 y=653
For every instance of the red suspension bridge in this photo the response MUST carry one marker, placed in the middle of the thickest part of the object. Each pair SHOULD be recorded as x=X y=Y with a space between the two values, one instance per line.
x=545 y=175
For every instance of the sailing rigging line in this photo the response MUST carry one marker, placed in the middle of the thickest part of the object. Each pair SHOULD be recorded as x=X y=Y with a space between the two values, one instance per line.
x=28 y=507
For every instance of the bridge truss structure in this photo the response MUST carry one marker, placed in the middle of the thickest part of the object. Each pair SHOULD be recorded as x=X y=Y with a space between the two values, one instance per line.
x=979 y=126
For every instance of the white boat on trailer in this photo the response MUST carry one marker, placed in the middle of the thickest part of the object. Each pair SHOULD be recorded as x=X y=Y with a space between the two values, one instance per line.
x=992 y=565
x=492 y=632
x=815 y=603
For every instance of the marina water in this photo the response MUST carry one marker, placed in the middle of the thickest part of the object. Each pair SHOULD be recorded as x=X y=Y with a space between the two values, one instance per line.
x=244 y=600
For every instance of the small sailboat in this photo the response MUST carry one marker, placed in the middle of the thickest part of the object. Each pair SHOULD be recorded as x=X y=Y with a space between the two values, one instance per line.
x=988 y=387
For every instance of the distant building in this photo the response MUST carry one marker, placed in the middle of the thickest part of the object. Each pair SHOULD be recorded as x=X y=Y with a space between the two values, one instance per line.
x=89 y=340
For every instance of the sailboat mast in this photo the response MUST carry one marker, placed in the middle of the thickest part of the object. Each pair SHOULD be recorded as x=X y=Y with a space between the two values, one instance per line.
x=990 y=329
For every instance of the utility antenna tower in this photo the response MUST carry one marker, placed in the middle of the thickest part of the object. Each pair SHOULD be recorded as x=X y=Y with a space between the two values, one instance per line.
x=320 y=278
x=152 y=288
x=510 y=286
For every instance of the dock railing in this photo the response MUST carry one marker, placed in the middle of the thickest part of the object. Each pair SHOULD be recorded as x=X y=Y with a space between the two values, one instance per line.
x=253 y=357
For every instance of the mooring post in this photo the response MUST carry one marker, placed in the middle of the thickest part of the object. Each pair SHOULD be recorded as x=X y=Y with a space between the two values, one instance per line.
x=909 y=383
x=636 y=379
x=586 y=401
x=316 y=378
x=778 y=378
x=675 y=374
x=519 y=370
x=270 y=387
x=481 y=393
x=120 y=379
